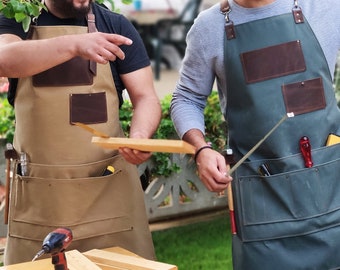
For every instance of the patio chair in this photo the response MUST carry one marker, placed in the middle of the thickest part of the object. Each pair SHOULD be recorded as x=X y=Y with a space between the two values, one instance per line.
x=173 y=32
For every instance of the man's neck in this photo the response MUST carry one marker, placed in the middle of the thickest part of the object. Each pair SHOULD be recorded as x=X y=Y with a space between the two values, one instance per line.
x=253 y=3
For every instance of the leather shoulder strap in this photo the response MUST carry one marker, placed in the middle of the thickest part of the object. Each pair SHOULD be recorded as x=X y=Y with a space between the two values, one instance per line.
x=224 y=6
x=229 y=25
x=91 y=24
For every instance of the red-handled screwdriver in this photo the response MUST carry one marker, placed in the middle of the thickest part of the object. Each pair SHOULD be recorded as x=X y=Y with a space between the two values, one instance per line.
x=306 y=151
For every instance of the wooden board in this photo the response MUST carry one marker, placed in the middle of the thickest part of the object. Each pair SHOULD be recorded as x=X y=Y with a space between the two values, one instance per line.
x=147 y=145
x=75 y=261
x=114 y=258
x=44 y=264
x=110 y=260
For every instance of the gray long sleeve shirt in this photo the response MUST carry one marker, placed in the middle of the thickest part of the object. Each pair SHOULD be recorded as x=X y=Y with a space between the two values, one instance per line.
x=203 y=62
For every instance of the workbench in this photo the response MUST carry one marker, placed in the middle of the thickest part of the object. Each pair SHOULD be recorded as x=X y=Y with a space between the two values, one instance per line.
x=114 y=258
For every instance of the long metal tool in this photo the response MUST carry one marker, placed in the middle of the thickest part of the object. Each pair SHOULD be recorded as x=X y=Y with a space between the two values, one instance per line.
x=229 y=189
x=10 y=155
x=260 y=142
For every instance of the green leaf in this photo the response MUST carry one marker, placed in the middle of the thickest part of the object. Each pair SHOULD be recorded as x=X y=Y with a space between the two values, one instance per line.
x=26 y=23
x=8 y=11
x=18 y=7
x=19 y=17
x=2 y=5
x=33 y=10
x=127 y=2
x=112 y=4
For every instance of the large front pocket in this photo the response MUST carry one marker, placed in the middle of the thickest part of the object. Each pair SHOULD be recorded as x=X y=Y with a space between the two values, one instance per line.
x=295 y=201
x=91 y=206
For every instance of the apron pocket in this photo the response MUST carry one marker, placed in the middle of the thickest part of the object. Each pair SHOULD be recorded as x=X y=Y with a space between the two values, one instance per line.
x=88 y=108
x=258 y=65
x=305 y=96
x=79 y=203
x=68 y=172
x=36 y=232
x=291 y=203
x=73 y=72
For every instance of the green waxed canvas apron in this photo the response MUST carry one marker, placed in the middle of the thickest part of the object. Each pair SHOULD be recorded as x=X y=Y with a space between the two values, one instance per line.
x=65 y=186
x=290 y=219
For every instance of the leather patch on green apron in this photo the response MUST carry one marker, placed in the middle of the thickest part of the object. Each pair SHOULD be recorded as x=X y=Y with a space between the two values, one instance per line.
x=88 y=108
x=272 y=62
x=305 y=96
x=71 y=73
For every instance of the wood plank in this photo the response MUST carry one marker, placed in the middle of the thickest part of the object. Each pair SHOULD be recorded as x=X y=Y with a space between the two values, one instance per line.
x=77 y=261
x=147 y=145
x=106 y=258
x=45 y=264
x=114 y=258
x=121 y=251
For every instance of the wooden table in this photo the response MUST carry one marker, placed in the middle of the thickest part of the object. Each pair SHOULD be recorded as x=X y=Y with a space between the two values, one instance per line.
x=114 y=258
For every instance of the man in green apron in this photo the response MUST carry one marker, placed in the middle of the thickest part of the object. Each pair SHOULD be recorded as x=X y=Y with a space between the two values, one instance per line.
x=72 y=67
x=270 y=58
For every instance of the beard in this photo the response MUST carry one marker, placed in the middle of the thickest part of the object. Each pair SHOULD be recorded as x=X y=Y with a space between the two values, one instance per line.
x=69 y=10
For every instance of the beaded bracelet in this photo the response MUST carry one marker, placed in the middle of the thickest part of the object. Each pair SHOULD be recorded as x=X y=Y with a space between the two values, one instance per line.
x=200 y=149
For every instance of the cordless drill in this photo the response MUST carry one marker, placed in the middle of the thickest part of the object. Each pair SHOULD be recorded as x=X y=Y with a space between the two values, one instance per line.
x=55 y=243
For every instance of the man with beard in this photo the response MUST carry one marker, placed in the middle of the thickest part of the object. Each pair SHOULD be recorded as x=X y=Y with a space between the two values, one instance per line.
x=72 y=66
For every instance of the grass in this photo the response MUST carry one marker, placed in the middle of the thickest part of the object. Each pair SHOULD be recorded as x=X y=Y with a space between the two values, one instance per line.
x=205 y=245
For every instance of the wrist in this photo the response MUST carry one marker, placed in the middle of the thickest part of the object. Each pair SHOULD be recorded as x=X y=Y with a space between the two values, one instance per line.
x=202 y=148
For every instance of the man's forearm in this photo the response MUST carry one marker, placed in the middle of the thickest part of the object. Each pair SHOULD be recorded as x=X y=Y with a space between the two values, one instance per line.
x=20 y=58
x=195 y=137
x=145 y=119
x=25 y=58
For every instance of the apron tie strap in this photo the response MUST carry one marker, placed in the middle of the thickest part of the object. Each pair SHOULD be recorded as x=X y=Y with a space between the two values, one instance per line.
x=91 y=23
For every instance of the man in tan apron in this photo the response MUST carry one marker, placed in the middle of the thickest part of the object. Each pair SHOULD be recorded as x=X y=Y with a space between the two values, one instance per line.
x=63 y=183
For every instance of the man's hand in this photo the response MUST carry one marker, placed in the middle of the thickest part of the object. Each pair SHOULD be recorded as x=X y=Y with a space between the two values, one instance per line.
x=134 y=156
x=213 y=170
x=100 y=47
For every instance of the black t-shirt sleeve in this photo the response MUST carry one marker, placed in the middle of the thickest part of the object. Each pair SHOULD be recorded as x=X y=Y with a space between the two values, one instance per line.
x=10 y=26
x=136 y=56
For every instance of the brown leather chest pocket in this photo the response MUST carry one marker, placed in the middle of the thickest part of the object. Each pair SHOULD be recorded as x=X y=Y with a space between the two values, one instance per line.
x=73 y=72
x=272 y=62
x=88 y=108
x=305 y=96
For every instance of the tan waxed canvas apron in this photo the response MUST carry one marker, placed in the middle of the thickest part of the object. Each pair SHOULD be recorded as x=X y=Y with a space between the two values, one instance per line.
x=65 y=185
